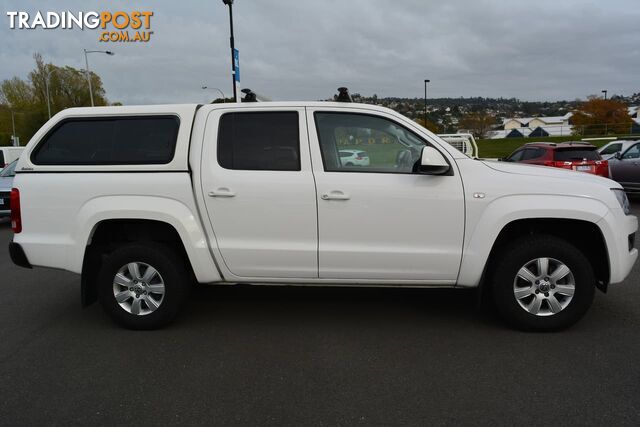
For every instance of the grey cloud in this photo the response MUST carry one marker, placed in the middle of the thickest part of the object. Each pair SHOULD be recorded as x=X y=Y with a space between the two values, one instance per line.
x=305 y=49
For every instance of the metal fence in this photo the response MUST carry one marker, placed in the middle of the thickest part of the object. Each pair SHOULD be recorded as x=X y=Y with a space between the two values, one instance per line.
x=599 y=129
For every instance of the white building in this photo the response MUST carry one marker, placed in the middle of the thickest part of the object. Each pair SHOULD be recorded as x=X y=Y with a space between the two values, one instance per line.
x=535 y=127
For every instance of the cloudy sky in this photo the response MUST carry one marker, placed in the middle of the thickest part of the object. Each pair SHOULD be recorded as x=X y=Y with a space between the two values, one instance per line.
x=305 y=49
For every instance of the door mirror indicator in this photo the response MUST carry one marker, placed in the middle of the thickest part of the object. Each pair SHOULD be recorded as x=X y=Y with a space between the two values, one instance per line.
x=433 y=163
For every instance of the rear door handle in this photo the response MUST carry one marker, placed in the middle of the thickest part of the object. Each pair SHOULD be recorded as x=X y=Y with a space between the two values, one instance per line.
x=335 y=195
x=222 y=192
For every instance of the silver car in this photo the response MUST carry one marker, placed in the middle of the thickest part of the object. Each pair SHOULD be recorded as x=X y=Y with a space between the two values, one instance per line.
x=6 y=181
x=609 y=150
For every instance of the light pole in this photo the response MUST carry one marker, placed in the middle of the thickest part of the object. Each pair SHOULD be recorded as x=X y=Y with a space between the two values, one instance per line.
x=13 y=125
x=46 y=83
x=605 y=94
x=86 y=61
x=233 y=62
x=215 y=88
x=425 y=101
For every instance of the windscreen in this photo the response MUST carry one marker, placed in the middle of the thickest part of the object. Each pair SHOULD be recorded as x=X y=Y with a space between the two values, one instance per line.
x=613 y=148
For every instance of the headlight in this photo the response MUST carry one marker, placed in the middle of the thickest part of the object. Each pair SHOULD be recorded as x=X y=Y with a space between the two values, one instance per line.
x=622 y=199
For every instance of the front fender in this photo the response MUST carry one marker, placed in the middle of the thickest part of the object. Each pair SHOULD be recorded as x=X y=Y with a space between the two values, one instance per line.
x=485 y=221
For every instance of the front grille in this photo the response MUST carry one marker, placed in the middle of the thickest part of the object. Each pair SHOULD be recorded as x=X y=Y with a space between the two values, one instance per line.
x=4 y=196
x=632 y=241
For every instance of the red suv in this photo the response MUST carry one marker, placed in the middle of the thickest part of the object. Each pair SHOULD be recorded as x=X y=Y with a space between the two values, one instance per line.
x=577 y=156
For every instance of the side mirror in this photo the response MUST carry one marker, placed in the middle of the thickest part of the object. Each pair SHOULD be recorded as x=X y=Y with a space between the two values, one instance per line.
x=432 y=162
x=618 y=155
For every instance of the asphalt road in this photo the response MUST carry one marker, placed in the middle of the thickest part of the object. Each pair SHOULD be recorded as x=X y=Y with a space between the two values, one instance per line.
x=310 y=356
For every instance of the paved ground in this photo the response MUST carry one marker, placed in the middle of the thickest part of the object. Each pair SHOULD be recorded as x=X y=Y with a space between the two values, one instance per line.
x=275 y=356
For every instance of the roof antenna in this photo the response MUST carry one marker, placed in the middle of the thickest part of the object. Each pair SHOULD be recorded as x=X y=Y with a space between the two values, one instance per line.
x=249 y=96
x=343 y=95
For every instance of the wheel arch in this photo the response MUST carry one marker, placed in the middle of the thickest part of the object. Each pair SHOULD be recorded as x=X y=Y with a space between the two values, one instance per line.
x=584 y=235
x=108 y=234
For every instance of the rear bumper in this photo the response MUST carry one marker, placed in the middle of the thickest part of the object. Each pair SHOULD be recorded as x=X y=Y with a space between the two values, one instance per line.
x=18 y=256
x=616 y=228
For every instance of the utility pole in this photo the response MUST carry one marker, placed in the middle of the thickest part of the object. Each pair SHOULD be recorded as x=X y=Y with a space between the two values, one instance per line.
x=425 y=102
x=605 y=94
x=13 y=125
x=233 y=59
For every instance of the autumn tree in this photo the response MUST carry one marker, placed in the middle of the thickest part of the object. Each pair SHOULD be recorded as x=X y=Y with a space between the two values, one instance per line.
x=478 y=123
x=599 y=116
x=432 y=126
x=27 y=98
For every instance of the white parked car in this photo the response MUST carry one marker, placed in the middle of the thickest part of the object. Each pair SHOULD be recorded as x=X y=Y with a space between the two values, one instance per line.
x=354 y=158
x=143 y=201
x=9 y=154
x=6 y=183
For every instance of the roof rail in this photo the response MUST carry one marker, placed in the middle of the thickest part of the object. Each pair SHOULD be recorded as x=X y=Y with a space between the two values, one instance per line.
x=577 y=143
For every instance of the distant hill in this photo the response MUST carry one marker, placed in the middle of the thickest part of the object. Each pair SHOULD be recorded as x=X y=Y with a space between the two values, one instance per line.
x=446 y=112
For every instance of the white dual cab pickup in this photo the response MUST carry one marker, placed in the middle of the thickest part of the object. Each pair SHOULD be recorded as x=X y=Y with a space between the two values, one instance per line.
x=145 y=201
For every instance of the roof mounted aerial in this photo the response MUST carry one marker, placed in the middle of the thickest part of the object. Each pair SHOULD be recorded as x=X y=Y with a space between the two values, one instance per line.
x=343 y=95
x=249 y=96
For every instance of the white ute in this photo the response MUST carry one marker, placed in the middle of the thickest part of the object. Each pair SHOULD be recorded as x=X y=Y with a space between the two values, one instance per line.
x=145 y=201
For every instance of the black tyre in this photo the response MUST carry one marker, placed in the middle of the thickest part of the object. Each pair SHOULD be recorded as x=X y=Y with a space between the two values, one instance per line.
x=542 y=283
x=143 y=285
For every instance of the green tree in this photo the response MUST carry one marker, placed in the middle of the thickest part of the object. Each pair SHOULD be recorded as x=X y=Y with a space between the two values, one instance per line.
x=27 y=98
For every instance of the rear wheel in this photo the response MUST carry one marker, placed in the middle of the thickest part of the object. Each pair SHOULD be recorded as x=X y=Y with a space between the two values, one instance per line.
x=143 y=286
x=542 y=283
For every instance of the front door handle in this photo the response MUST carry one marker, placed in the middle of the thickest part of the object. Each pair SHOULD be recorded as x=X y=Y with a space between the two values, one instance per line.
x=335 y=195
x=222 y=192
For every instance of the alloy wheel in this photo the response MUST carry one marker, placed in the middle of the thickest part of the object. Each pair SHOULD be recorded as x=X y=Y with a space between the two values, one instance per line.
x=138 y=288
x=544 y=286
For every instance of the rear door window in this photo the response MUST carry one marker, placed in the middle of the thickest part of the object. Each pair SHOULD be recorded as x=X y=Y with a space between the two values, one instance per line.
x=259 y=141
x=110 y=141
x=576 y=154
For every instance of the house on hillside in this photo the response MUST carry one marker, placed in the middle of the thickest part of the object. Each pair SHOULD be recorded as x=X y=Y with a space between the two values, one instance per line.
x=634 y=112
x=534 y=122
x=518 y=127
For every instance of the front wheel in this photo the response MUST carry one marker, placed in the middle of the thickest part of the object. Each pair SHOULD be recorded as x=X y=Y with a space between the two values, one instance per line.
x=542 y=283
x=143 y=285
